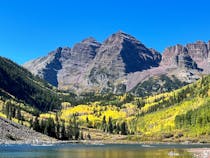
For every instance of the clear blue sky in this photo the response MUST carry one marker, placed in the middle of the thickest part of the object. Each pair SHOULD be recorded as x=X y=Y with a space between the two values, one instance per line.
x=32 y=28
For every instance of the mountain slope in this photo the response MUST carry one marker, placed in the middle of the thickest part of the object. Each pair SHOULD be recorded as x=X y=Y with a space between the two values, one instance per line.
x=47 y=67
x=178 y=115
x=156 y=85
x=16 y=82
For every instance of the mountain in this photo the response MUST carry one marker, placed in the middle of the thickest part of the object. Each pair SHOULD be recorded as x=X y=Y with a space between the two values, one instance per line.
x=189 y=61
x=119 y=55
x=120 y=64
x=92 y=66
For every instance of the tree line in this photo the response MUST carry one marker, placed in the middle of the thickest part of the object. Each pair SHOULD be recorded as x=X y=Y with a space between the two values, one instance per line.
x=58 y=129
x=195 y=118
x=111 y=127
x=12 y=111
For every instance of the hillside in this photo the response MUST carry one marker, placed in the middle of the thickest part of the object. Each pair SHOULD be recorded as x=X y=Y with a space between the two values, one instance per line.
x=178 y=115
x=19 y=84
x=23 y=97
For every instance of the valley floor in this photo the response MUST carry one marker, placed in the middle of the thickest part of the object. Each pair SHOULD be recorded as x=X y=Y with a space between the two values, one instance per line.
x=18 y=134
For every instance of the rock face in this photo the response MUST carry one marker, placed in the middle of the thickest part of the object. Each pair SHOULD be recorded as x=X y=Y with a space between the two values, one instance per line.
x=118 y=64
x=196 y=55
x=91 y=66
x=187 y=62
x=48 y=67
x=118 y=56
x=178 y=56
x=71 y=76
x=198 y=51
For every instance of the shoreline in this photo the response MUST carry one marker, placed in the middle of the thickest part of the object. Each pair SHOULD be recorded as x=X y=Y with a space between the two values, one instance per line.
x=95 y=142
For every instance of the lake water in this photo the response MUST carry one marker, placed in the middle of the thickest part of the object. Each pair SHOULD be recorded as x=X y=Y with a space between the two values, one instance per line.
x=96 y=151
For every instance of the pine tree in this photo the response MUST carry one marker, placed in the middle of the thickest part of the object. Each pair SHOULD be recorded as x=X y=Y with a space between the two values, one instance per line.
x=70 y=131
x=57 y=130
x=117 y=128
x=81 y=135
x=124 y=129
x=110 y=125
x=36 y=125
x=42 y=126
x=58 y=127
x=104 y=123
x=75 y=127
x=51 y=128
x=87 y=120
x=63 y=132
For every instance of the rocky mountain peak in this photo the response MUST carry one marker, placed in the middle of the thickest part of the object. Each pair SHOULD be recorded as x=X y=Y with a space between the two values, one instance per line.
x=85 y=49
x=112 y=66
x=90 y=40
x=124 y=35
x=120 y=37
x=73 y=69
x=178 y=56
x=120 y=55
x=198 y=51
x=191 y=56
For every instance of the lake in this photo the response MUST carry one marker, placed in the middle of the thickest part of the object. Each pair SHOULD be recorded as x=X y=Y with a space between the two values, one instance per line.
x=97 y=151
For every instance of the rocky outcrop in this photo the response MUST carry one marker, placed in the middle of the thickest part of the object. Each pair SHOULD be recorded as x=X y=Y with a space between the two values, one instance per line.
x=188 y=62
x=178 y=57
x=198 y=51
x=194 y=56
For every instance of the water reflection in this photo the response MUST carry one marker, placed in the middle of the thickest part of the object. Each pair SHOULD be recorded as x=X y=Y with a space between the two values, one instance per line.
x=84 y=151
